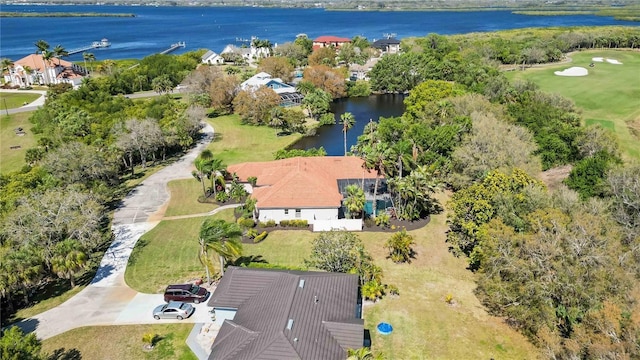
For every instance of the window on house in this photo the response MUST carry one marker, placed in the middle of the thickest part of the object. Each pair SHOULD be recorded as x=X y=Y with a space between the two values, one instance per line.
x=286 y=211
x=298 y=213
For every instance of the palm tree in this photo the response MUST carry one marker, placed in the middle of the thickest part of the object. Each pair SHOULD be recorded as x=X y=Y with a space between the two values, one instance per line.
x=46 y=60
x=355 y=200
x=60 y=52
x=347 y=120
x=216 y=169
x=87 y=57
x=141 y=79
x=41 y=46
x=223 y=238
x=376 y=158
x=68 y=260
x=28 y=71
x=202 y=163
x=7 y=64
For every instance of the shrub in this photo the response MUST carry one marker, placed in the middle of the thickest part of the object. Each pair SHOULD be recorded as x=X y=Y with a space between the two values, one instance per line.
x=383 y=220
x=246 y=222
x=222 y=197
x=260 y=237
x=252 y=180
x=392 y=289
x=252 y=233
x=268 y=223
x=284 y=223
x=150 y=339
x=372 y=290
x=327 y=119
x=369 y=222
x=448 y=299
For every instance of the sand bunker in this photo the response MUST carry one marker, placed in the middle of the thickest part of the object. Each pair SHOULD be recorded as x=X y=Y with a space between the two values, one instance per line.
x=610 y=61
x=573 y=71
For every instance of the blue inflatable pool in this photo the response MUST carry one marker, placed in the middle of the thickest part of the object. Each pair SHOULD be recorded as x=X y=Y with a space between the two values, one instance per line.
x=385 y=328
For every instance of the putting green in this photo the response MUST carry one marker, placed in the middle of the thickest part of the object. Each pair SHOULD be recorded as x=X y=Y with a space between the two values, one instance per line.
x=609 y=95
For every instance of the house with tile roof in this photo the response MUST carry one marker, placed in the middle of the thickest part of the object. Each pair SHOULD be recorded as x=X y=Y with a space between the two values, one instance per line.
x=326 y=41
x=289 y=96
x=33 y=69
x=309 y=188
x=276 y=314
x=212 y=58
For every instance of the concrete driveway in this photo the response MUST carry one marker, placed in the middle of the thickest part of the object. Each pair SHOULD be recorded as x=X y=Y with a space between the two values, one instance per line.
x=108 y=300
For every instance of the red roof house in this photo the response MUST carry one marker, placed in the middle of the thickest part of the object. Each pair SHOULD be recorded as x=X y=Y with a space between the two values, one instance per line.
x=325 y=41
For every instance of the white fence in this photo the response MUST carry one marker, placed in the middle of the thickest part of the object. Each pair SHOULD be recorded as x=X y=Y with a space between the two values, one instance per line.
x=338 y=224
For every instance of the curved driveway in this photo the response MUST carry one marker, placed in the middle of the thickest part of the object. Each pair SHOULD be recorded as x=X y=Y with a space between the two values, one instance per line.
x=108 y=300
x=34 y=105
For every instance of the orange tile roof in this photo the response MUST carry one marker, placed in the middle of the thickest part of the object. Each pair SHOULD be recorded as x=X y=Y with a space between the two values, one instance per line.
x=301 y=182
x=35 y=61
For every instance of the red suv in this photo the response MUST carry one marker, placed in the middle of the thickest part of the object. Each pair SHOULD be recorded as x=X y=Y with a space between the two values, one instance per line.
x=185 y=293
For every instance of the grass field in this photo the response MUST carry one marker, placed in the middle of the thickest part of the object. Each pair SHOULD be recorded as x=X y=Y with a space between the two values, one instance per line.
x=99 y=342
x=184 y=198
x=168 y=254
x=609 y=95
x=14 y=146
x=16 y=100
x=425 y=326
x=235 y=143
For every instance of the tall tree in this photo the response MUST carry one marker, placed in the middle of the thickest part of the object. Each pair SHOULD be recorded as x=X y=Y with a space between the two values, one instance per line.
x=46 y=62
x=347 y=120
x=201 y=164
x=222 y=238
x=60 y=52
x=86 y=56
x=16 y=345
x=355 y=200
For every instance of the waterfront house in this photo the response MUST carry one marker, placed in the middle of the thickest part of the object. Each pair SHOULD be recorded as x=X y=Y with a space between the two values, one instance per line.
x=387 y=46
x=361 y=72
x=288 y=94
x=307 y=188
x=280 y=314
x=326 y=41
x=33 y=69
x=212 y=58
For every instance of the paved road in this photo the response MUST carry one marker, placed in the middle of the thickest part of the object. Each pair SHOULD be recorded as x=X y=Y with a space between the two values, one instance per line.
x=108 y=300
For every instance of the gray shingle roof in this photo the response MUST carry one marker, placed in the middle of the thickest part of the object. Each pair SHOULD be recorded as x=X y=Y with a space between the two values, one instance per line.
x=277 y=318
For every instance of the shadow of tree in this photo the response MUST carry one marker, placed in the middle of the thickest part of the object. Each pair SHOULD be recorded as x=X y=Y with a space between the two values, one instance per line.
x=64 y=354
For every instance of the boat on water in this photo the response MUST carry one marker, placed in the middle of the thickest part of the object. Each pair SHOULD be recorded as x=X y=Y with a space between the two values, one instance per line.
x=101 y=44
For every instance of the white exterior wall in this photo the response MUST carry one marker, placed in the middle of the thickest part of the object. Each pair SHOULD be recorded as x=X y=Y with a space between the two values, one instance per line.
x=311 y=215
x=224 y=314
x=338 y=224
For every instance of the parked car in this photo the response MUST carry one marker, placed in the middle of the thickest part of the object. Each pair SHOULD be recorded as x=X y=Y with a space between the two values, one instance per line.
x=173 y=310
x=186 y=293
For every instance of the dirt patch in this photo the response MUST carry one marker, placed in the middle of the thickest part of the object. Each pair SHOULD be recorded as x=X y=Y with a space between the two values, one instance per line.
x=396 y=225
x=553 y=177
x=634 y=127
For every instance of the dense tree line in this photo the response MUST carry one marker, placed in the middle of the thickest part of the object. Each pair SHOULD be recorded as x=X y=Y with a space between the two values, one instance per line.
x=53 y=212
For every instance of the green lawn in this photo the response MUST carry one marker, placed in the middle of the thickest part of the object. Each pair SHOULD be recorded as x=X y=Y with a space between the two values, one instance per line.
x=235 y=143
x=425 y=325
x=13 y=147
x=609 y=95
x=184 y=198
x=168 y=254
x=124 y=342
x=16 y=100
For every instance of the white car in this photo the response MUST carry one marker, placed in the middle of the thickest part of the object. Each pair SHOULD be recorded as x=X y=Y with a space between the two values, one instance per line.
x=173 y=310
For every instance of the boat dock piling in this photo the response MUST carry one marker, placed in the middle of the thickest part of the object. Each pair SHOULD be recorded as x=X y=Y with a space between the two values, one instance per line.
x=174 y=47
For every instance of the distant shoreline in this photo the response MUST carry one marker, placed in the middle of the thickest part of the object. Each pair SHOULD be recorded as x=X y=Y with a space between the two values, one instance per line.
x=4 y=14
